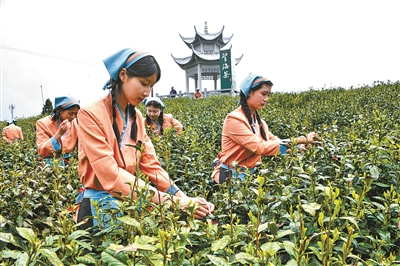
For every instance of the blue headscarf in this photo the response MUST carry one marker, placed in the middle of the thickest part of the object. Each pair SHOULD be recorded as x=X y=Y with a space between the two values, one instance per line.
x=156 y=99
x=250 y=82
x=65 y=101
x=122 y=59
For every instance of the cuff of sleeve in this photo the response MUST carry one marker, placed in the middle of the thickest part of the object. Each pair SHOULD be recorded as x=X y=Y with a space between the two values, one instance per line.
x=55 y=143
x=282 y=149
x=173 y=190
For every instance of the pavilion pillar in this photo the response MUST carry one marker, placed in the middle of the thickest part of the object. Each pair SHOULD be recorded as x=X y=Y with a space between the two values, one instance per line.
x=199 y=85
x=187 y=81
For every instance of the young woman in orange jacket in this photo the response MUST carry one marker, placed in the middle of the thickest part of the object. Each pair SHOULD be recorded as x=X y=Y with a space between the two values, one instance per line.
x=245 y=135
x=156 y=119
x=57 y=134
x=107 y=164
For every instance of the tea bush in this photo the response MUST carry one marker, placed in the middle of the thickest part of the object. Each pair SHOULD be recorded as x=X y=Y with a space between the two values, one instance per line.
x=335 y=204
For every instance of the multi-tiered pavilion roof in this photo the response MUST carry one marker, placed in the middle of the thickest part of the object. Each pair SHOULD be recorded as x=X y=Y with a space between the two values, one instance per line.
x=205 y=55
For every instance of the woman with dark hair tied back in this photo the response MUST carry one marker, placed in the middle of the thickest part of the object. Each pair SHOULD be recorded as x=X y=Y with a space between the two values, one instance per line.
x=109 y=130
x=246 y=137
x=156 y=119
x=57 y=134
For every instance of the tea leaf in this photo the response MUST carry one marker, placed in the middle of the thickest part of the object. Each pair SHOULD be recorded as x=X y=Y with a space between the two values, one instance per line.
x=311 y=208
x=220 y=243
x=374 y=172
x=8 y=238
x=129 y=220
x=217 y=260
x=271 y=247
x=51 y=256
x=27 y=233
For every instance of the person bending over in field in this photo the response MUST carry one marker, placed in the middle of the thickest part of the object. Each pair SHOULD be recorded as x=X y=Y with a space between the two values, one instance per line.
x=245 y=136
x=12 y=132
x=156 y=119
x=108 y=128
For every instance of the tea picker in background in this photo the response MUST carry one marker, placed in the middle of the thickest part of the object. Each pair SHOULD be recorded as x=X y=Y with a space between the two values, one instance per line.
x=57 y=134
x=107 y=164
x=172 y=92
x=197 y=94
x=156 y=119
x=12 y=132
x=246 y=137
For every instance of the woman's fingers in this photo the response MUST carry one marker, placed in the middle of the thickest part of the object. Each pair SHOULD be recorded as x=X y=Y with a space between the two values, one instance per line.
x=200 y=213
x=204 y=207
x=207 y=205
x=312 y=137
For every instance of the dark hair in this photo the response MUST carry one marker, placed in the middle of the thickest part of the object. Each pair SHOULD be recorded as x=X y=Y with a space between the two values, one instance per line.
x=156 y=104
x=56 y=111
x=144 y=67
x=246 y=109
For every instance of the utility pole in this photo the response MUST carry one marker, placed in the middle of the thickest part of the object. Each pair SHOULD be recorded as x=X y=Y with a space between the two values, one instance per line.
x=11 y=107
x=42 y=94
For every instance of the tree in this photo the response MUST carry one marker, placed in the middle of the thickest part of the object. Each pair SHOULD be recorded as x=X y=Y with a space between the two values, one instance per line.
x=47 y=107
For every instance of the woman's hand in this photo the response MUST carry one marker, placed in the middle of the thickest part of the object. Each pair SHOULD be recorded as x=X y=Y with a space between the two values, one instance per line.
x=64 y=126
x=202 y=209
x=303 y=142
x=312 y=137
x=302 y=147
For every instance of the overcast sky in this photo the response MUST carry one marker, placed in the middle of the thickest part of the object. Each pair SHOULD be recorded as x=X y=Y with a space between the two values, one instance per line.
x=56 y=47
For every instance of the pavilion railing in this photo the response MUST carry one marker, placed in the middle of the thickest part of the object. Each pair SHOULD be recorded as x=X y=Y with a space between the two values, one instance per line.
x=205 y=93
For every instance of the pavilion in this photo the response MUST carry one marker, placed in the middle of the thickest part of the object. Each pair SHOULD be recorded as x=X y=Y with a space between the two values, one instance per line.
x=204 y=61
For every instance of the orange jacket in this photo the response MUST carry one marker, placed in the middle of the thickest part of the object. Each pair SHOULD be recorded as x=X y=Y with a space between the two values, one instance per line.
x=169 y=121
x=197 y=95
x=240 y=144
x=46 y=144
x=102 y=165
x=12 y=132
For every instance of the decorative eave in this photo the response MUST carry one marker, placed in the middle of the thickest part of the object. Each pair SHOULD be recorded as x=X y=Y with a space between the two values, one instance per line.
x=183 y=62
x=238 y=59
x=207 y=37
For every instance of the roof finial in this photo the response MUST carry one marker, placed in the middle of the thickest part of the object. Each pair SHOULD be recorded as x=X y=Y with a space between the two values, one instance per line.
x=206 y=29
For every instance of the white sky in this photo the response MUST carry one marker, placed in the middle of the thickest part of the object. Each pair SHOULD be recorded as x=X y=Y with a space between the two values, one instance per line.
x=60 y=44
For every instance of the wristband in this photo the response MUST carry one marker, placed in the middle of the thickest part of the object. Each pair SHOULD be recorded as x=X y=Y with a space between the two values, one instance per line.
x=173 y=189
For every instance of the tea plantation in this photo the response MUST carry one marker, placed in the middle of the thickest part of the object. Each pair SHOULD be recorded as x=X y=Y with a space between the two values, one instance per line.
x=335 y=204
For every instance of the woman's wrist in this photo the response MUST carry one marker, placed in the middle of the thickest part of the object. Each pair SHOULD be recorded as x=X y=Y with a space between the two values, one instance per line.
x=180 y=194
